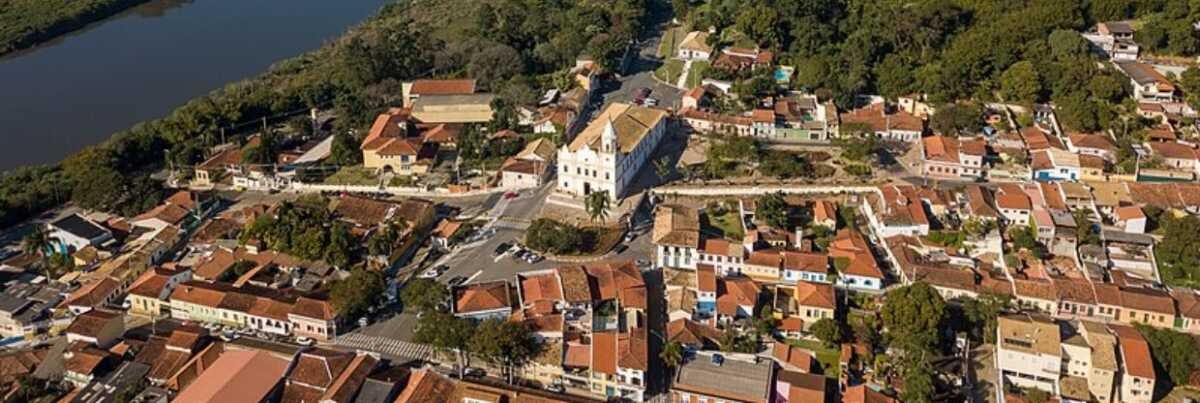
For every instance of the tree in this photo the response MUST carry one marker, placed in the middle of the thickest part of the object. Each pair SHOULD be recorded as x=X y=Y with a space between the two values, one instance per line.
x=1190 y=81
x=982 y=313
x=37 y=242
x=918 y=374
x=358 y=292
x=662 y=168
x=445 y=332
x=1177 y=254
x=554 y=237
x=828 y=331
x=1175 y=352
x=1067 y=45
x=597 y=205
x=1106 y=88
x=894 y=77
x=765 y=322
x=672 y=354
x=773 y=209
x=1020 y=83
x=505 y=344
x=957 y=120
x=424 y=295
x=1085 y=231
x=914 y=314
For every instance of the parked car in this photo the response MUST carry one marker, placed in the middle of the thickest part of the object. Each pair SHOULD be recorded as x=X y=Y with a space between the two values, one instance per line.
x=630 y=236
x=650 y=102
x=510 y=195
x=504 y=247
x=556 y=388
x=621 y=249
x=474 y=372
x=430 y=273
x=305 y=341
x=640 y=94
x=534 y=258
x=456 y=281
x=643 y=263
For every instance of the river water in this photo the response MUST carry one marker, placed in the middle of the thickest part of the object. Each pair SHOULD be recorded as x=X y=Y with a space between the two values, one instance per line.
x=77 y=90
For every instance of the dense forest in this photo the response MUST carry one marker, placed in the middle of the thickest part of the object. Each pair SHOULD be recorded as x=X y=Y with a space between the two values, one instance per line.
x=24 y=23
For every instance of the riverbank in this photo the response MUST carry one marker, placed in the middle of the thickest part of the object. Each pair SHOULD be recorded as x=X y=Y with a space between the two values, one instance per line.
x=27 y=23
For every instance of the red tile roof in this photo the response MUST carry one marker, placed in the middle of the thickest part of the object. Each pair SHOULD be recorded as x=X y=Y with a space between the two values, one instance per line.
x=1135 y=351
x=481 y=297
x=443 y=87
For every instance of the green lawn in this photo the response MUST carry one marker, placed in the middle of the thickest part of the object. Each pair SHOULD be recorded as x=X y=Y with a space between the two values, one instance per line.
x=670 y=70
x=670 y=41
x=697 y=73
x=829 y=357
x=728 y=223
x=353 y=176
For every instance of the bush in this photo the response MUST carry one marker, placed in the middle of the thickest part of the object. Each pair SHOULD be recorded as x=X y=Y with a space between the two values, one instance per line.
x=554 y=237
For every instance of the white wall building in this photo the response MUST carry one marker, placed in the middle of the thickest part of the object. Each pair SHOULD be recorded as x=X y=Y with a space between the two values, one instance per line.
x=607 y=155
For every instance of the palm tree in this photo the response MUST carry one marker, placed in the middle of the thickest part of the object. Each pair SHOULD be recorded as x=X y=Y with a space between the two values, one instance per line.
x=36 y=242
x=672 y=355
x=662 y=167
x=597 y=205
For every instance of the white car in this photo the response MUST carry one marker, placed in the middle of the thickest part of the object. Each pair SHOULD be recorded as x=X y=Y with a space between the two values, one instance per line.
x=429 y=273
x=305 y=341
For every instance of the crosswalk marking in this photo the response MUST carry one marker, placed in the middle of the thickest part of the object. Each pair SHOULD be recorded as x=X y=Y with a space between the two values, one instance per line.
x=386 y=346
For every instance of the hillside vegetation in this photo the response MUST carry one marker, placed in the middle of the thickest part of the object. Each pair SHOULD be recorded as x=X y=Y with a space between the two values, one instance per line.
x=24 y=23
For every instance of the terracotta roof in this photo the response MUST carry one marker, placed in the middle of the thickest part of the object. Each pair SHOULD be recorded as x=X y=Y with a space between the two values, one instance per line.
x=313 y=308
x=1129 y=213
x=427 y=386
x=94 y=293
x=632 y=349
x=363 y=211
x=1144 y=299
x=874 y=116
x=442 y=87
x=863 y=394
x=1173 y=150
x=481 y=297
x=150 y=284
x=1135 y=351
x=824 y=211
x=804 y=261
x=90 y=323
x=766 y=257
x=542 y=287
x=85 y=359
x=941 y=148
x=722 y=247
x=706 y=278
x=1095 y=141
x=604 y=352
x=689 y=332
x=902 y=206
x=319 y=367
x=735 y=292
x=696 y=40
x=795 y=357
x=815 y=295
x=1011 y=197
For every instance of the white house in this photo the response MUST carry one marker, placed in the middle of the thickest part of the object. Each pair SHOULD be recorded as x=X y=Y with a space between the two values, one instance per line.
x=1148 y=84
x=695 y=46
x=606 y=156
x=1029 y=352
x=74 y=232
x=528 y=169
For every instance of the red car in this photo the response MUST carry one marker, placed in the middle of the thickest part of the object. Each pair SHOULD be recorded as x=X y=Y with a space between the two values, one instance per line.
x=510 y=195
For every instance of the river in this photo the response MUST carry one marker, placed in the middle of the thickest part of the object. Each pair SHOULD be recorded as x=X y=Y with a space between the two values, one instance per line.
x=79 y=89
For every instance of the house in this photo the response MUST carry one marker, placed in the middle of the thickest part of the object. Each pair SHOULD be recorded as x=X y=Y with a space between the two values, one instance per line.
x=323 y=375
x=804 y=117
x=861 y=272
x=901 y=211
x=445 y=231
x=693 y=335
x=148 y=295
x=1138 y=378
x=694 y=46
x=805 y=266
x=739 y=59
x=415 y=90
x=97 y=327
x=1014 y=205
x=606 y=155
x=393 y=146
x=763 y=265
x=226 y=159
x=25 y=308
x=736 y=298
x=482 y=301
x=724 y=255
x=814 y=302
x=1176 y=156
x=1148 y=84
x=824 y=214
x=1093 y=144
x=711 y=376
x=237 y=376
x=951 y=158
x=314 y=318
x=702 y=121
x=84 y=363
x=529 y=168
x=864 y=394
x=1130 y=219
x=74 y=232
x=676 y=236
x=1114 y=40
x=1053 y=164
x=877 y=119
x=1029 y=352
x=95 y=293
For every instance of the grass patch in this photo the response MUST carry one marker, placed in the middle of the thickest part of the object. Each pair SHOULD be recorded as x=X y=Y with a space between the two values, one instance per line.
x=353 y=176
x=828 y=357
x=670 y=41
x=728 y=223
x=669 y=71
x=697 y=73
